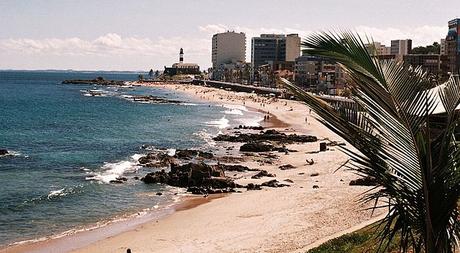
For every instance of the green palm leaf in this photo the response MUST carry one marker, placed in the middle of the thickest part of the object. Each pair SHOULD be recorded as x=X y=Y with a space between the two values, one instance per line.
x=416 y=166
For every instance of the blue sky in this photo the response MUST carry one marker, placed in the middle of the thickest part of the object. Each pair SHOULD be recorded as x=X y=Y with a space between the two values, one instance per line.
x=139 y=35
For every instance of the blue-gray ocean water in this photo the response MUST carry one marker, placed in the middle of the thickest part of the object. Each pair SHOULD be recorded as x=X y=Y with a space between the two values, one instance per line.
x=67 y=147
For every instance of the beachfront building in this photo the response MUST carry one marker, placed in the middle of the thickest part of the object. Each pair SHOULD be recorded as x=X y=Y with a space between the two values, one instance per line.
x=453 y=46
x=434 y=64
x=228 y=53
x=181 y=68
x=278 y=51
x=442 y=47
x=318 y=74
x=306 y=71
x=399 y=48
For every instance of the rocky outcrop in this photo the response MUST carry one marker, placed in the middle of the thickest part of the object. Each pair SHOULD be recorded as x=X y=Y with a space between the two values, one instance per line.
x=160 y=159
x=263 y=173
x=3 y=152
x=256 y=146
x=192 y=153
x=156 y=160
x=272 y=183
x=197 y=177
x=286 y=167
x=237 y=168
x=268 y=135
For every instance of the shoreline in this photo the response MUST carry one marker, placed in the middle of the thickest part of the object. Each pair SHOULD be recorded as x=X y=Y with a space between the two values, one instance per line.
x=283 y=120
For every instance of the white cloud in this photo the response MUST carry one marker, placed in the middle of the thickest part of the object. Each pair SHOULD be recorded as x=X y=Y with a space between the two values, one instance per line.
x=421 y=35
x=109 y=44
x=136 y=52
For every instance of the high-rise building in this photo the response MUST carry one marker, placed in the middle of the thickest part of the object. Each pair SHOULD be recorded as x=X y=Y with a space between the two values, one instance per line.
x=401 y=47
x=228 y=47
x=453 y=46
x=432 y=63
x=277 y=50
x=442 y=47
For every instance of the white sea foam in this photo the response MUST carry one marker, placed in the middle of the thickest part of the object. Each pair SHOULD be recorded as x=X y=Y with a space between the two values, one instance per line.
x=56 y=193
x=171 y=151
x=14 y=153
x=206 y=136
x=221 y=123
x=111 y=171
x=233 y=112
x=236 y=107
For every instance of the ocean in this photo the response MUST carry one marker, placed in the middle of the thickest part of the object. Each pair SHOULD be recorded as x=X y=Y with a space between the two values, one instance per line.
x=66 y=147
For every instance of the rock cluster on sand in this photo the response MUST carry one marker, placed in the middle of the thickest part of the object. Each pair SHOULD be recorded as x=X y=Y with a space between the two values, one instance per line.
x=268 y=135
x=199 y=178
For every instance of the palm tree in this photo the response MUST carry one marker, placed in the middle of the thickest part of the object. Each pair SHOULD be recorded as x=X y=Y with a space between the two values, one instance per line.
x=415 y=162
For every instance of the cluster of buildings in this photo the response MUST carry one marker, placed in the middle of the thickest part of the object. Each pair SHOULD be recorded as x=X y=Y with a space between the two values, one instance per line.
x=274 y=55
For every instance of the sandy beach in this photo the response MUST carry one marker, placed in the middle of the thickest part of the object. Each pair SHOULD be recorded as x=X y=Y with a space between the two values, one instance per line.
x=319 y=204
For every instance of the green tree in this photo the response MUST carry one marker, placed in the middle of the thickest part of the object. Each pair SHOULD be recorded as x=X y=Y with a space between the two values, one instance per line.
x=415 y=164
x=430 y=49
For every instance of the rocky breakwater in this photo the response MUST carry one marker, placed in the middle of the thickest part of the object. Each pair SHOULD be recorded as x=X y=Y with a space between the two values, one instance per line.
x=96 y=81
x=150 y=99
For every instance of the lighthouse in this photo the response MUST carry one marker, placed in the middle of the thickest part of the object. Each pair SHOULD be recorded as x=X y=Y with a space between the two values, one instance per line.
x=181 y=56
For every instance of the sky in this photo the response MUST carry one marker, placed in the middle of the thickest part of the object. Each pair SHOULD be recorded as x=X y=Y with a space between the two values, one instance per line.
x=147 y=34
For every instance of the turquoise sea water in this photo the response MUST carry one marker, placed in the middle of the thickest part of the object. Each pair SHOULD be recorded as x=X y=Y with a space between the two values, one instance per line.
x=68 y=146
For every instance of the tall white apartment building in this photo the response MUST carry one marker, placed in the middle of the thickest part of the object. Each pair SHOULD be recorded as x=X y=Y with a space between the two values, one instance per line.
x=228 y=47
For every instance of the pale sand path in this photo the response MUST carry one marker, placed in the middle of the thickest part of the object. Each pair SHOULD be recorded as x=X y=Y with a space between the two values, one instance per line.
x=289 y=219
x=271 y=220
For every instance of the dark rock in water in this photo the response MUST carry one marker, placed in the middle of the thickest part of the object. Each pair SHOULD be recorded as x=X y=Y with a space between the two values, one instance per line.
x=156 y=177
x=98 y=81
x=269 y=135
x=230 y=159
x=286 y=167
x=159 y=193
x=122 y=179
x=156 y=160
x=251 y=187
x=315 y=186
x=256 y=147
x=288 y=180
x=4 y=152
x=263 y=173
x=315 y=174
x=136 y=178
x=116 y=181
x=364 y=181
x=191 y=153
